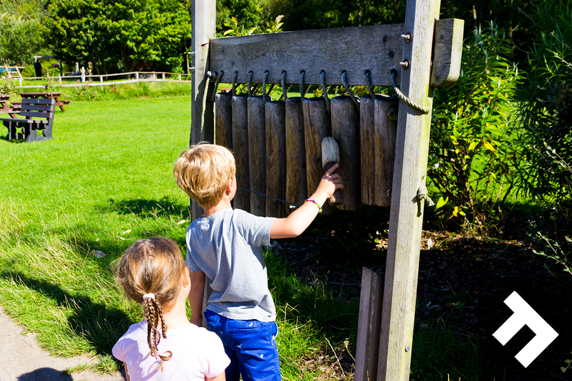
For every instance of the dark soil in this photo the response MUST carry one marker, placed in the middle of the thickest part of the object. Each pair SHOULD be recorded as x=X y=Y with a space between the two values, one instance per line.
x=463 y=282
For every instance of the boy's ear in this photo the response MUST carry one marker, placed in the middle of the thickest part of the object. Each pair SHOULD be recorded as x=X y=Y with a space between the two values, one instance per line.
x=229 y=186
x=186 y=277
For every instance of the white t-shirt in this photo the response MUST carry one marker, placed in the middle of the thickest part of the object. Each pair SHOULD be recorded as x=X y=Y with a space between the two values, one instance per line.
x=197 y=353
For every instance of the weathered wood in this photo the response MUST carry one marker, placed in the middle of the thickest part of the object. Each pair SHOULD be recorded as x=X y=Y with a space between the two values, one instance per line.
x=376 y=48
x=345 y=129
x=296 y=181
x=203 y=32
x=223 y=126
x=317 y=126
x=240 y=144
x=257 y=155
x=330 y=157
x=275 y=157
x=367 y=150
x=385 y=131
x=369 y=324
x=447 y=51
x=406 y=216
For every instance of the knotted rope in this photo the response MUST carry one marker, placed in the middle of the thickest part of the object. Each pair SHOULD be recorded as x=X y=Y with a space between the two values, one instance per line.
x=264 y=79
x=368 y=84
x=345 y=82
x=416 y=106
x=422 y=195
x=302 y=75
x=217 y=82
x=249 y=84
x=205 y=96
x=283 y=84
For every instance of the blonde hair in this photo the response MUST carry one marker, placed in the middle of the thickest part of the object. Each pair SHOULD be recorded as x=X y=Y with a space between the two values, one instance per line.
x=152 y=266
x=203 y=172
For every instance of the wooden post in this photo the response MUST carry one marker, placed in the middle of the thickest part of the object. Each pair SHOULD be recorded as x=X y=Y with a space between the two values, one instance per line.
x=385 y=131
x=296 y=180
x=223 y=125
x=345 y=129
x=406 y=217
x=101 y=78
x=317 y=126
x=202 y=32
x=257 y=154
x=163 y=76
x=137 y=76
x=275 y=157
x=367 y=151
x=240 y=144
x=369 y=324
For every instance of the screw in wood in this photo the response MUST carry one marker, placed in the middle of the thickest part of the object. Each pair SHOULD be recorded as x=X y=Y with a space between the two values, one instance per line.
x=407 y=348
x=405 y=64
x=407 y=37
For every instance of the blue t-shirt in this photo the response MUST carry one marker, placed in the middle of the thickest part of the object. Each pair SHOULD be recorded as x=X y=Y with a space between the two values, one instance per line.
x=227 y=247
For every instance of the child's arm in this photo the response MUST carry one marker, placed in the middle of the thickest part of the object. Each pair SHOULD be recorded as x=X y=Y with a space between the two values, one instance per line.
x=220 y=377
x=301 y=218
x=196 y=297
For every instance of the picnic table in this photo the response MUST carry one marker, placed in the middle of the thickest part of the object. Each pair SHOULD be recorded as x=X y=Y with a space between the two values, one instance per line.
x=5 y=107
x=56 y=96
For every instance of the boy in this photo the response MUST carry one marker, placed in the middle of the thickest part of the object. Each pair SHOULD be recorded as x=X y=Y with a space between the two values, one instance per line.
x=225 y=245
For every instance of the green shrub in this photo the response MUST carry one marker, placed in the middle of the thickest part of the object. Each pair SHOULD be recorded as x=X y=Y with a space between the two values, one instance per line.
x=472 y=155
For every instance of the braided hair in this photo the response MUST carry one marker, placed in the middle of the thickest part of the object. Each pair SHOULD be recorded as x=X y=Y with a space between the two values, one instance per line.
x=150 y=274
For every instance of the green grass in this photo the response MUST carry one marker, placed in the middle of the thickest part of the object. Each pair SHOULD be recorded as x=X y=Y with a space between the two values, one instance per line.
x=106 y=181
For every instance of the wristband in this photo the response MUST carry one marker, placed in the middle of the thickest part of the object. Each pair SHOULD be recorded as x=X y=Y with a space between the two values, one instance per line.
x=317 y=204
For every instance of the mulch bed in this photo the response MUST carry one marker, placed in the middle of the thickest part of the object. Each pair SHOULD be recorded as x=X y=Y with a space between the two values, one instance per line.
x=463 y=282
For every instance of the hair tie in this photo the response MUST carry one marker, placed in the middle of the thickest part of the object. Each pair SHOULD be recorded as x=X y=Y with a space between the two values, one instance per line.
x=147 y=296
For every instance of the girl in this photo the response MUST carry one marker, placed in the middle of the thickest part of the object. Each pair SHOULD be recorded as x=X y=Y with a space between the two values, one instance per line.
x=152 y=273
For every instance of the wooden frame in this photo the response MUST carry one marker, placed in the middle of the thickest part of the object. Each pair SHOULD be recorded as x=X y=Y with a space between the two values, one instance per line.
x=432 y=62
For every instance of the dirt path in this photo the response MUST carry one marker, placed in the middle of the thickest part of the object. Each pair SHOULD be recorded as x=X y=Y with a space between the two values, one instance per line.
x=22 y=359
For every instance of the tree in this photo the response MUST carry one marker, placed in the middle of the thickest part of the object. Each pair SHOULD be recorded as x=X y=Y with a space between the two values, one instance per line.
x=116 y=35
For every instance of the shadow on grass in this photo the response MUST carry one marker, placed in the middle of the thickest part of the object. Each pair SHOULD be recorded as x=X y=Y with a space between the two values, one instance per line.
x=149 y=208
x=45 y=374
x=98 y=324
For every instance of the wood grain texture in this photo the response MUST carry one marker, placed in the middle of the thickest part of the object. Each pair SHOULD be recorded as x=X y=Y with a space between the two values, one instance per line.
x=406 y=215
x=376 y=48
x=296 y=181
x=369 y=325
x=203 y=32
x=240 y=144
x=447 y=51
x=223 y=119
x=345 y=129
x=275 y=113
x=331 y=157
x=367 y=151
x=385 y=131
x=257 y=155
x=317 y=126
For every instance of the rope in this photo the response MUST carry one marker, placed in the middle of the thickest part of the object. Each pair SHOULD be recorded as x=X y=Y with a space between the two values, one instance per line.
x=302 y=75
x=217 y=82
x=264 y=79
x=422 y=195
x=368 y=84
x=265 y=195
x=345 y=82
x=205 y=95
x=325 y=90
x=283 y=84
x=234 y=77
x=416 y=106
x=249 y=90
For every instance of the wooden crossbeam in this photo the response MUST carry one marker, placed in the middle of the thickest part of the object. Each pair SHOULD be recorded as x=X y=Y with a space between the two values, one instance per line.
x=377 y=48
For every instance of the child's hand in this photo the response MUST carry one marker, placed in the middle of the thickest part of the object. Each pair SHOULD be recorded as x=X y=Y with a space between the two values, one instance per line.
x=330 y=182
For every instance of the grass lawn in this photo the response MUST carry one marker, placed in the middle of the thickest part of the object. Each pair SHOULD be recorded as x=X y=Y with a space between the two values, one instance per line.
x=106 y=181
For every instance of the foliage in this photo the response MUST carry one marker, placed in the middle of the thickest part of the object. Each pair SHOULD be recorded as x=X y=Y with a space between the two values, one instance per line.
x=472 y=157
x=237 y=28
x=249 y=12
x=119 y=35
x=7 y=85
x=545 y=112
x=20 y=37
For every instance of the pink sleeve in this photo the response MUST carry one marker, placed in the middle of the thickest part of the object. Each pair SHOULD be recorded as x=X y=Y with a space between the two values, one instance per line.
x=217 y=359
x=118 y=351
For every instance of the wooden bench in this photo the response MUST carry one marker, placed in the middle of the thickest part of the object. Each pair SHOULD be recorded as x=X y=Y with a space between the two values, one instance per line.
x=6 y=108
x=30 y=129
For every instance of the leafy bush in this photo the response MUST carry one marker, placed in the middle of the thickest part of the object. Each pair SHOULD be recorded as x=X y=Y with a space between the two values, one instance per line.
x=472 y=155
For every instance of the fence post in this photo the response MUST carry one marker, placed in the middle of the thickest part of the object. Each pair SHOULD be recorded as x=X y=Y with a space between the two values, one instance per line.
x=20 y=82
x=137 y=76
x=60 y=79
x=163 y=75
x=101 y=78
x=179 y=77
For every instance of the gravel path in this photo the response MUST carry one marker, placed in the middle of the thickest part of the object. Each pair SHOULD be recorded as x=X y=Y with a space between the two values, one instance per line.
x=22 y=359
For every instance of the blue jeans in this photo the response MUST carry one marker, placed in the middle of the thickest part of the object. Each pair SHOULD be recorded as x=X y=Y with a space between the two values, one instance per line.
x=250 y=345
